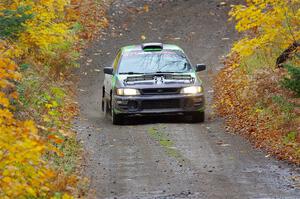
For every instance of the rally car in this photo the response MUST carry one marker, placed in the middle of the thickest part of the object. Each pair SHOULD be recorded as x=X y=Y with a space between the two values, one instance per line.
x=152 y=79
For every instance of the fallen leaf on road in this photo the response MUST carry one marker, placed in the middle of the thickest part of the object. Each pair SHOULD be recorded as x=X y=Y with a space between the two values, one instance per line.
x=146 y=8
x=222 y=4
x=219 y=142
x=224 y=145
x=132 y=10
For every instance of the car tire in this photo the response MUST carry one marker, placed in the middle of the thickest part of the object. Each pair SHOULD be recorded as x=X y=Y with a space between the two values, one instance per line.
x=198 y=117
x=103 y=102
x=103 y=105
x=105 y=108
x=116 y=119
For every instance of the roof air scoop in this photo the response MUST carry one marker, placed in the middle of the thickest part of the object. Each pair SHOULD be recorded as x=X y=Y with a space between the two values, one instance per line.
x=152 y=46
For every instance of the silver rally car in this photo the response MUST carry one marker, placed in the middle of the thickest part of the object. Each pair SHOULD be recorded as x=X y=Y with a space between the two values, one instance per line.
x=152 y=79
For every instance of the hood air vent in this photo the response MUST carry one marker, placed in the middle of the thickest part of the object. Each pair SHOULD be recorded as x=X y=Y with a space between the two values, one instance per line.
x=148 y=47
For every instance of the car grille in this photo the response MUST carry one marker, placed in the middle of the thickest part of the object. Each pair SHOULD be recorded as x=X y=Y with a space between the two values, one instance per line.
x=160 y=91
x=160 y=104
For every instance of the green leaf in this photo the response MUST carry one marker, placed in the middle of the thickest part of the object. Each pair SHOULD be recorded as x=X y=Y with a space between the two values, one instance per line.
x=12 y=21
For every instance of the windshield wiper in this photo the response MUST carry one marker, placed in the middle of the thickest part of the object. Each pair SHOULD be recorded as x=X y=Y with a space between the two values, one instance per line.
x=131 y=73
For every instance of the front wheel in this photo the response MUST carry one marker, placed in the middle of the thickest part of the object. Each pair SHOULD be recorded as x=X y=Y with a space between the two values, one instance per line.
x=198 y=117
x=117 y=119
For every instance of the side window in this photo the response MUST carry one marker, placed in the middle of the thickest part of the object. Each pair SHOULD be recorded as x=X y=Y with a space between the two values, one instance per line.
x=116 y=61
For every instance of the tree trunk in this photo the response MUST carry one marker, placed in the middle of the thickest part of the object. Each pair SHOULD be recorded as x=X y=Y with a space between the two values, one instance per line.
x=285 y=55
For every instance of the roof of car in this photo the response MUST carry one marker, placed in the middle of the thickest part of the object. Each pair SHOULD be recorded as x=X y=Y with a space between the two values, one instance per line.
x=139 y=47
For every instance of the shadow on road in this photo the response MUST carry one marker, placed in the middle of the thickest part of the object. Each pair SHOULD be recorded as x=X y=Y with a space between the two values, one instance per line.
x=140 y=120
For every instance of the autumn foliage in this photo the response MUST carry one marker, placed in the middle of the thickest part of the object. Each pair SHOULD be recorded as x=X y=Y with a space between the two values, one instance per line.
x=259 y=100
x=22 y=170
x=270 y=25
x=39 y=45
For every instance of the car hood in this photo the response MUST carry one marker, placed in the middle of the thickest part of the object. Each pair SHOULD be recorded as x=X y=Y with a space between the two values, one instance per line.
x=157 y=80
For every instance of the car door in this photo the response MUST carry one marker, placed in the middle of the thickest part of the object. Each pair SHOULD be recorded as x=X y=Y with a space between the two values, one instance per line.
x=108 y=79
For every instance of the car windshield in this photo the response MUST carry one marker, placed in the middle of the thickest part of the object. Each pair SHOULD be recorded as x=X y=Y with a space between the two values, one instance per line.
x=166 y=61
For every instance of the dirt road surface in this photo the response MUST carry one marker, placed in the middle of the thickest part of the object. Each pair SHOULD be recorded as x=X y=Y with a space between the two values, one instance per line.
x=193 y=160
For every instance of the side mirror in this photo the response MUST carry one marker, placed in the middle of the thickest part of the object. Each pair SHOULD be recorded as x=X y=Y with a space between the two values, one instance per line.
x=108 y=70
x=200 y=67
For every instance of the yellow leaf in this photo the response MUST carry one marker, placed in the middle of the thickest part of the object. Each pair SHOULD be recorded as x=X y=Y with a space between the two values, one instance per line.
x=146 y=8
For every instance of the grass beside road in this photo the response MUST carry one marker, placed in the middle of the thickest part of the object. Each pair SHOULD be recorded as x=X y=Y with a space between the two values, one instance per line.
x=159 y=134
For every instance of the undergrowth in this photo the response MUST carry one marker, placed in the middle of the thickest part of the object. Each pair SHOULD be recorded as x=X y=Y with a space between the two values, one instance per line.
x=40 y=42
x=258 y=89
x=257 y=106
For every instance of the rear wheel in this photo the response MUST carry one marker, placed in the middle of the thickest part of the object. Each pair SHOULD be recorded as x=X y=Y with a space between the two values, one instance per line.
x=105 y=108
x=103 y=101
x=198 y=117
x=103 y=105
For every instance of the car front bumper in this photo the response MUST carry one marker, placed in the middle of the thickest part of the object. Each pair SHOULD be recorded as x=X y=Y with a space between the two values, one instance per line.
x=158 y=104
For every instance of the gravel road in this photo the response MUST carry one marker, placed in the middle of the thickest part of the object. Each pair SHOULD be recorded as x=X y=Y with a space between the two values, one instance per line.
x=166 y=157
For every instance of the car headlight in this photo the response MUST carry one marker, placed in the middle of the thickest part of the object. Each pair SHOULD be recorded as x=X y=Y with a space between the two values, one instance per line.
x=192 y=90
x=128 y=91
